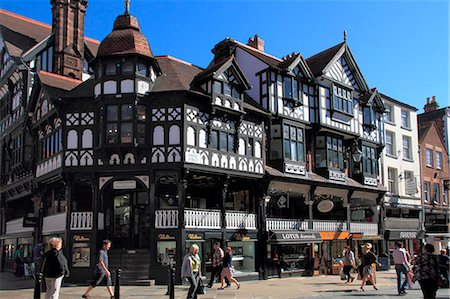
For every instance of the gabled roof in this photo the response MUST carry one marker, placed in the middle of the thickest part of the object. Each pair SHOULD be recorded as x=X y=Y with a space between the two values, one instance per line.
x=373 y=96
x=291 y=61
x=176 y=74
x=220 y=67
x=322 y=62
x=21 y=33
x=425 y=129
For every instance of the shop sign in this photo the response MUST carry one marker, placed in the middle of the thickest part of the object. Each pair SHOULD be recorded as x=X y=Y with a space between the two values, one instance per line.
x=165 y=237
x=394 y=235
x=194 y=237
x=80 y=238
x=298 y=236
x=123 y=185
x=240 y=237
x=325 y=206
x=410 y=186
x=193 y=157
x=30 y=221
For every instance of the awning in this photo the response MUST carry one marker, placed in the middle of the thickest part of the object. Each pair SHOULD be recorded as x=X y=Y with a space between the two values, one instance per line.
x=334 y=235
x=291 y=237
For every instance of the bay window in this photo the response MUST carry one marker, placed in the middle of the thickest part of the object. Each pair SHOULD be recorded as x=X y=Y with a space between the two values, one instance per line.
x=291 y=88
x=330 y=152
x=342 y=100
x=293 y=143
x=229 y=86
x=369 y=160
x=119 y=123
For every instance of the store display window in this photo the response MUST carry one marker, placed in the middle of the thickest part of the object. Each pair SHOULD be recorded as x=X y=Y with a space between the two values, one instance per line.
x=165 y=250
x=81 y=254
x=243 y=255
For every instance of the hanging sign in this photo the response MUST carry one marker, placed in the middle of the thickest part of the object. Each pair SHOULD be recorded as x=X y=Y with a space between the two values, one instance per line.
x=325 y=206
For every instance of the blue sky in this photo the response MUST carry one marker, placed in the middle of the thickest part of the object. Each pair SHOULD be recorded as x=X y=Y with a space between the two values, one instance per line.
x=401 y=47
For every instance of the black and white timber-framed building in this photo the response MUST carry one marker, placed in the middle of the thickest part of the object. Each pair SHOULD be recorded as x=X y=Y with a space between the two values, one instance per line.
x=275 y=157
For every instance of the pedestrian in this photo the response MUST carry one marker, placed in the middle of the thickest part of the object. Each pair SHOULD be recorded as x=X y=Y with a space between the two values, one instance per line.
x=227 y=271
x=101 y=271
x=349 y=263
x=368 y=258
x=217 y=265
x=54 y=268
x=426 y=271
x=191 y=270
x=19 y=260
x=37 y=256
x=401 y=267
x=443 y=267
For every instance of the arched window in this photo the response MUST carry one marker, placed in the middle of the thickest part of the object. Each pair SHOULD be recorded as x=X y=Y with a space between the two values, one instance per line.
x=174 y=135
x=158 y=135
x=190 y=136
x=110 y=69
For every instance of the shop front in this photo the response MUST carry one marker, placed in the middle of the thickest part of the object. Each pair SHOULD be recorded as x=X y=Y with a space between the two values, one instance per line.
x=9 y=248
x=291 y=253
x=243 y=244
x=412 y=241
x=81 y=256
x=329 y=254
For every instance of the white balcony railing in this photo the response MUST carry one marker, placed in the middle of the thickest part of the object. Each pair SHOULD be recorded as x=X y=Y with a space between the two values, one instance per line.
x=286 y=224
x=49 y=165
x=237 y=220
x=368 y=229
x=16 y=226
x=54 y=223
x=202 y=219
x=84 y=220
x=330 y=226
x=166 y=219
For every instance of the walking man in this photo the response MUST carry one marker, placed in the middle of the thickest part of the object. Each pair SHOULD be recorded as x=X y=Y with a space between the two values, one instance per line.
x=349 y=263
x=101 y=271
x=401 y=267
x=217 y=265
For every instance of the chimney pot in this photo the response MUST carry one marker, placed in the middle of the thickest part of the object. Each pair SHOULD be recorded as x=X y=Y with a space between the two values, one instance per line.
x=434 y=99
x=256 y=42
x=428 y=100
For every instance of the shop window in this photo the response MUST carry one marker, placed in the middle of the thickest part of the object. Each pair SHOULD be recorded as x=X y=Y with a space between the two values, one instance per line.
x=243 y=255
x=81 y=253
x=165 y=250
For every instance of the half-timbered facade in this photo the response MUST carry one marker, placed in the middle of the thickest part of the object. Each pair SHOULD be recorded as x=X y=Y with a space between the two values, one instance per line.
x=275 y=157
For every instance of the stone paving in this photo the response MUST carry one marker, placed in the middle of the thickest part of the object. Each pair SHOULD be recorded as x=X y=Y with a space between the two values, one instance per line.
x=287 y=288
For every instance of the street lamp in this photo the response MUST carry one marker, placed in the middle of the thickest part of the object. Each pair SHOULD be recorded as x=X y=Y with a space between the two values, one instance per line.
x=356 y=154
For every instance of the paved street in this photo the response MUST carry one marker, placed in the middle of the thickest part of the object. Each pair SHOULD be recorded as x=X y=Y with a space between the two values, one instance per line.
x=288 y=288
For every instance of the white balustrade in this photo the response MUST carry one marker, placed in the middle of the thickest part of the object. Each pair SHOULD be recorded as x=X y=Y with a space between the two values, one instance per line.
x=166 y=219
x=286 y=224
x=49 y=165
x=237 y=220
x=54 y=223
x=329 y=226
x=369 y=229
x=16 y=226
x=81 y=221
x=202 y=219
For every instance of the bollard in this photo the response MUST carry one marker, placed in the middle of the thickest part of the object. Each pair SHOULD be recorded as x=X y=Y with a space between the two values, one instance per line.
x=117 y=284
x=37 y=286
x=172 y=282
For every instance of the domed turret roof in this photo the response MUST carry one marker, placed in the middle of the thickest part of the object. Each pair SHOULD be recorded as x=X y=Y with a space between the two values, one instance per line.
x=126 y=38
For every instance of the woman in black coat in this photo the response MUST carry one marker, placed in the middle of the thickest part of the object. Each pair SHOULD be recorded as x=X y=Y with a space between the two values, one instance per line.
x=54 y=268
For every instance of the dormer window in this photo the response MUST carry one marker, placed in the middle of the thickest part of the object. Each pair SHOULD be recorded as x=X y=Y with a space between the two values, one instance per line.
x=229 y=86
x=342 y=100
x=290 y=88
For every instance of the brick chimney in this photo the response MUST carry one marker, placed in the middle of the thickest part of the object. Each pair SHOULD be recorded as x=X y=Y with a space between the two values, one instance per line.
x=256 y=42
x=431 y=105
x=68 y=29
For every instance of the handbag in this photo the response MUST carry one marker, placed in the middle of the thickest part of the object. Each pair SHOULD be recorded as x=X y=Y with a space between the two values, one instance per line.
x=201 y=289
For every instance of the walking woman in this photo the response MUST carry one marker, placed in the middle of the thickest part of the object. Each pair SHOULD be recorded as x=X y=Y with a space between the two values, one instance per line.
x=368 y=258
x=54 y=268
x=191 y=270
x=426 y=271
x=227 y=269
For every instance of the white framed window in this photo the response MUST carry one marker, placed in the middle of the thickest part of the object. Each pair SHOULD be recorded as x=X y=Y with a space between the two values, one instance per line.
x=390 y=143
x=444 y=195
x=436 y=196
x=392 y=180
x=407 y=148
x=429 y=157
x=389 y=116
x=405 y=119
x=438 y=160
x=426 y=191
